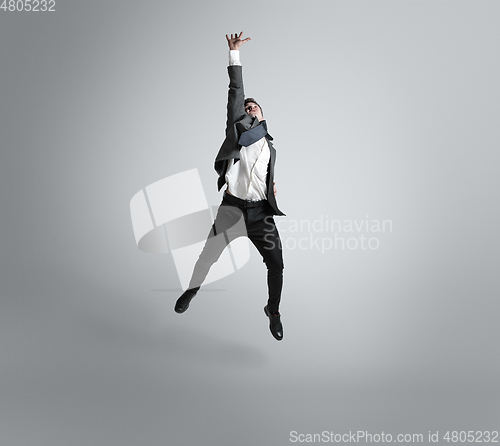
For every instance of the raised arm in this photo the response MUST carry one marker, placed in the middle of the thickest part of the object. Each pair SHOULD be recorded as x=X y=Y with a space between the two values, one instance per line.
x=236 y=95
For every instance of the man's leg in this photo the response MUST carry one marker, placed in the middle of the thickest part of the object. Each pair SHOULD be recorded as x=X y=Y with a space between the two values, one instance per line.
x=228 y=225
x=264 y=235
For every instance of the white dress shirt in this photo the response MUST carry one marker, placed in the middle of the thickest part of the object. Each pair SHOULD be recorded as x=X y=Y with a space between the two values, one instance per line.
x=246 y=179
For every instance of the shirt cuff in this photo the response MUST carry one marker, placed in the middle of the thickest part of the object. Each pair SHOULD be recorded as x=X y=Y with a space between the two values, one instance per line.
x=234 y=57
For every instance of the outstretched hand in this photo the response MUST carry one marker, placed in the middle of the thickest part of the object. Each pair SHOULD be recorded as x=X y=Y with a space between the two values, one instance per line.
x=236 y=41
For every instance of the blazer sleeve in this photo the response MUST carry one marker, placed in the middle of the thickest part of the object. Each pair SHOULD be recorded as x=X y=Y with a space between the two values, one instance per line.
x=236 y=97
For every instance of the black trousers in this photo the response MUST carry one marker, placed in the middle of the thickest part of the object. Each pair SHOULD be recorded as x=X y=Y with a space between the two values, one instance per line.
x=237 y=218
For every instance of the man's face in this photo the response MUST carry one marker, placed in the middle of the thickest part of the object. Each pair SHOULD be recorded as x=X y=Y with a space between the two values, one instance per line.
x=254 y=110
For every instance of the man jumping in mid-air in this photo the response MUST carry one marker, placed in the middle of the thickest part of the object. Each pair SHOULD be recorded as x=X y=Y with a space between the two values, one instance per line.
x=245 y=163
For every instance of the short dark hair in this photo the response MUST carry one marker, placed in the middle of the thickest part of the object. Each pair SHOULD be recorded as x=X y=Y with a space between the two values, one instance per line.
x=247 y=100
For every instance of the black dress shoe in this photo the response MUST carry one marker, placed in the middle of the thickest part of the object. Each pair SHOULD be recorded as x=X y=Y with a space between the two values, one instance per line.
x=274 y=324
x=182 y=303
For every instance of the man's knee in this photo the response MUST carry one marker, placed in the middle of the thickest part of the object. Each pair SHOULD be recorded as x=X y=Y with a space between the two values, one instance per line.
x=275 y=262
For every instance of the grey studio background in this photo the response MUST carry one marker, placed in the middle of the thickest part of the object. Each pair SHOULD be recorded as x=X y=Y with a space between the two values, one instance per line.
x=379 y=110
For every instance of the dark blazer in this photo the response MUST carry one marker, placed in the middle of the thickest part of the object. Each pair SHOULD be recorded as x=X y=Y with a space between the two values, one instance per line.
x=238 y=121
